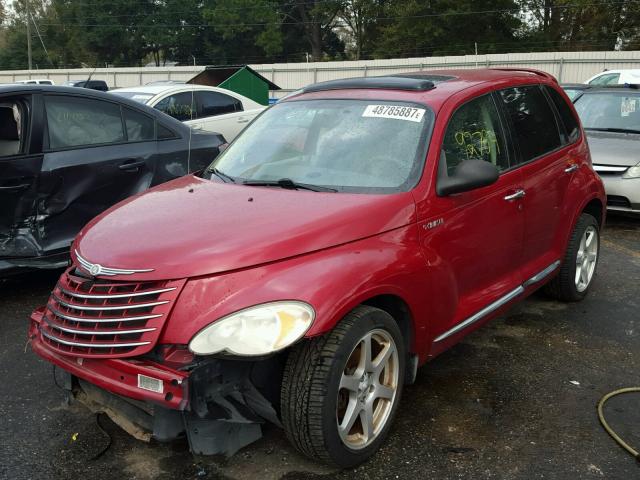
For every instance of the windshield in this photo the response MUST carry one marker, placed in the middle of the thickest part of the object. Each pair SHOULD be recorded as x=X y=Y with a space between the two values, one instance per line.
x=573 y=93
x=609 y=110
x=345 y=145
x=137 y=96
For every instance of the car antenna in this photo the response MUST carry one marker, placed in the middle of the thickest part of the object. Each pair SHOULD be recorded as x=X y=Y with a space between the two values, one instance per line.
x=86 y=82
x=190 y=129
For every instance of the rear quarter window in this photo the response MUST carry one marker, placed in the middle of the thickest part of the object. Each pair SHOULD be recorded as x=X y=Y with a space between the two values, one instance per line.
x=569 y=120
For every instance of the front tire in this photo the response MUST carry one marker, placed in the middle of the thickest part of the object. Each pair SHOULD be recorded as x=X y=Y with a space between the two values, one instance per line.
x=580 y=261
x=341 y=391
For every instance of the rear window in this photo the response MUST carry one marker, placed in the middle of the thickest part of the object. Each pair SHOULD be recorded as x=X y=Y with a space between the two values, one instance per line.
x=533 y=121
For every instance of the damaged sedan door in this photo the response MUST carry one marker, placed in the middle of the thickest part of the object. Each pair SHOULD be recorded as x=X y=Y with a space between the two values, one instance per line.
x=97 y=154
x=20 y=164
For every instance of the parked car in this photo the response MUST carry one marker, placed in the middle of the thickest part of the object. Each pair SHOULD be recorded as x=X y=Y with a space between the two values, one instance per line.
x=68 y=154
x=99 y=85
x=202 y=108
x=611 y=118
x=36 y=81
x=351 y=233
x=615 y=77
x=574 y=90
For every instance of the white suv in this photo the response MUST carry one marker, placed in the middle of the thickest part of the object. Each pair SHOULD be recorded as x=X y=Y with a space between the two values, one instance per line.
x=615 y=77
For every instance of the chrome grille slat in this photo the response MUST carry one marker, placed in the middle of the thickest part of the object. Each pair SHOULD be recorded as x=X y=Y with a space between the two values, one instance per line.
x=100 y=317
x=101 y=308
x=91 y=345
x=101 y=320
x=116 y=295
x=98 y=332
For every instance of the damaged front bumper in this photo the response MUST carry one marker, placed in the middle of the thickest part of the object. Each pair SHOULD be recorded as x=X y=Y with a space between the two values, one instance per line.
x=214 y=402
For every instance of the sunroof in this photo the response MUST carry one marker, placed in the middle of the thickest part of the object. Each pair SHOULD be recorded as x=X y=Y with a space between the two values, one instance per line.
x=435 y=79
x=391 y=82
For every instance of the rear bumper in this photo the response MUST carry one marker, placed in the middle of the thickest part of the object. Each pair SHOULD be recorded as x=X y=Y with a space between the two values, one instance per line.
x=16 y=265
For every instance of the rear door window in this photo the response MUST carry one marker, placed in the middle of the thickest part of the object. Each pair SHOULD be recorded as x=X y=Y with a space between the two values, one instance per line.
x=475 y=133
x=211 y=104
x=569 y=120
x=140 y=128
x=180 y=106
x=533 y=121
x=76 y=122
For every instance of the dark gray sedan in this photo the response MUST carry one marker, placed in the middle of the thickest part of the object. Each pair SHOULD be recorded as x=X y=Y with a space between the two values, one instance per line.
x=67 y=154
x=611 y=119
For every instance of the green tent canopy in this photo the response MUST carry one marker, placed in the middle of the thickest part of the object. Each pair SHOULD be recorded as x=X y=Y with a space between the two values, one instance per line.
x=241 y=79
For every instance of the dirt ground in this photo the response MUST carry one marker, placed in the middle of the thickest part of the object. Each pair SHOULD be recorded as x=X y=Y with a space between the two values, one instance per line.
x=515 y=400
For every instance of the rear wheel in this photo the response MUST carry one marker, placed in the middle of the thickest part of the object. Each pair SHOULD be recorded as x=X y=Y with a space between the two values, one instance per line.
x=340 y=391
x=580 y=261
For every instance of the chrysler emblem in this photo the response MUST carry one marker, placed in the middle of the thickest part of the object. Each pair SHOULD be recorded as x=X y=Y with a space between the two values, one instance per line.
x=96 y=269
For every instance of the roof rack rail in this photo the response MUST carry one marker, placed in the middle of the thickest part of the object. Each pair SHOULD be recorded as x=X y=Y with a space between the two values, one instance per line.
x=528 y=70
x=386 y=82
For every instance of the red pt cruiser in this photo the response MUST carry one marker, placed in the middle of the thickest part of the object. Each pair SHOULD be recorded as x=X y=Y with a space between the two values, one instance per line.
x=353 y=232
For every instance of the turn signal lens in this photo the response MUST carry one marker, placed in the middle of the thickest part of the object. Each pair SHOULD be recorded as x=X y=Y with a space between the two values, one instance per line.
x=258 y=330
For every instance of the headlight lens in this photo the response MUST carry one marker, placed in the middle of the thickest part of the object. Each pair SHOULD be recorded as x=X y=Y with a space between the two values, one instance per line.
x=258 y=330
x=633 y=172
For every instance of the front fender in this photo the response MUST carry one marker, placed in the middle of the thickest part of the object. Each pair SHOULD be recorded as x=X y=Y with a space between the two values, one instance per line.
x=333 y=281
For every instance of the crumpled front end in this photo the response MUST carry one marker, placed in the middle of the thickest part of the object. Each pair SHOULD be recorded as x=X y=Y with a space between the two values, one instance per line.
x=104 y=337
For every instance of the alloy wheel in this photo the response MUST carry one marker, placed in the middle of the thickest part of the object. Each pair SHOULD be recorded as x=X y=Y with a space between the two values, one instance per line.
x=586 y=258
x=368 y=388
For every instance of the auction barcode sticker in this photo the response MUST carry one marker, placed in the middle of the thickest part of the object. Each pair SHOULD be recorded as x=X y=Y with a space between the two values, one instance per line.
x=395 y=112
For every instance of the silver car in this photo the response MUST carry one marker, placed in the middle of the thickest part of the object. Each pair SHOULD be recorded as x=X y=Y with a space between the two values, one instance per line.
x=611 y=119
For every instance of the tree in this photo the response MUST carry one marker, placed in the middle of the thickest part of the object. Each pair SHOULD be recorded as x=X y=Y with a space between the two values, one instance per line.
x=447 y=27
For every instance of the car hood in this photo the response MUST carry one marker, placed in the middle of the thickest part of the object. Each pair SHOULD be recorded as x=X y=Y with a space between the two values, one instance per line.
x=609 y=148
x=191 y=226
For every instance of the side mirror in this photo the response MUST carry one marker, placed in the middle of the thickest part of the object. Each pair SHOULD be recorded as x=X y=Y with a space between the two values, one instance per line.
x=469 y=175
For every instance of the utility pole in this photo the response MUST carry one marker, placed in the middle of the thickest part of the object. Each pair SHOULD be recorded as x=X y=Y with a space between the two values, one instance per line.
x=28 y=34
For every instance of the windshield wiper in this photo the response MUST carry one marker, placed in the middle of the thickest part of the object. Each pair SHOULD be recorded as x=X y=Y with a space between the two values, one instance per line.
x=223 y=176
x=288 y=184
x=615 y=130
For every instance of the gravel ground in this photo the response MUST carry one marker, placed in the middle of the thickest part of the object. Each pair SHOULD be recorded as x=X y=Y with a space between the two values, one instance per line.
x=515 y=400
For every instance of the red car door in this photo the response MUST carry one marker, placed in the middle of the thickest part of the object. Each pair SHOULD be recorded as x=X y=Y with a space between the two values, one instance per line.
x=474 y=238
x=547 y=166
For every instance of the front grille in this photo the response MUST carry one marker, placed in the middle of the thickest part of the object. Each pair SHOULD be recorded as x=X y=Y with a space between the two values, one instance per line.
x=89 y=317
x=618 y=201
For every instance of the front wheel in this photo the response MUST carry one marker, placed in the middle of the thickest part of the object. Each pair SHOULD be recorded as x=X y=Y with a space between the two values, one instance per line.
x=580 y=262
x=340 y=391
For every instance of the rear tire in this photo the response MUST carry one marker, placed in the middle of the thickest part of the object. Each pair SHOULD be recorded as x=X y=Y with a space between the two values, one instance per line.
x=338 y=407
x=579 y=264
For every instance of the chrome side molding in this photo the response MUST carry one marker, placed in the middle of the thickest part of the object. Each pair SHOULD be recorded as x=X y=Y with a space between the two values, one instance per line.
x=499 y=302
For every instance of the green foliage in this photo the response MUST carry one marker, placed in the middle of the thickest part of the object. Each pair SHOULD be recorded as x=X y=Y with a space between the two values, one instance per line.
x=135 y=32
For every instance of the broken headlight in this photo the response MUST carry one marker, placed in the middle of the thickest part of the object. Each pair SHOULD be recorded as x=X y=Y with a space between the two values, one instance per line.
x=258 y=330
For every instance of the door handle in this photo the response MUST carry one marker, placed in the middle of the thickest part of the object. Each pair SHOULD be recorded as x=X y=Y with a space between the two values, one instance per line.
x=515 y=195
x=572 y=168
x=15 y=188
x=243 y=120
x=132 y=165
